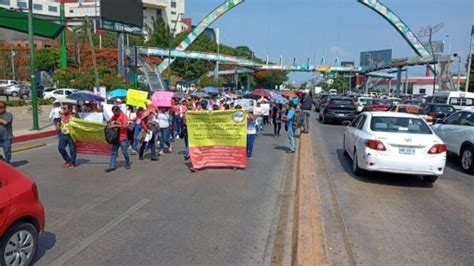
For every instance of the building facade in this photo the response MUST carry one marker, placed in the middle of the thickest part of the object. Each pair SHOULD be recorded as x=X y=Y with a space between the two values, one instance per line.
x=76 y=10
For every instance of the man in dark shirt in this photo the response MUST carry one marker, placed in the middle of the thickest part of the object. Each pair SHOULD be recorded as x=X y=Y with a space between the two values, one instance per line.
x=6 y=132
x=306 y=106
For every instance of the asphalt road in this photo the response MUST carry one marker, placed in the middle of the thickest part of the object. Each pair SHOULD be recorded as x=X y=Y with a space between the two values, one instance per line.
x=158 y=213
x=384 y=219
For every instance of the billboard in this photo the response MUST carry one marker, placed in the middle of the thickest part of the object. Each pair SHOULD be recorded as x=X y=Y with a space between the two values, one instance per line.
x=438 y=47
x=126 y=12
x=376 y=59
x=347 y=64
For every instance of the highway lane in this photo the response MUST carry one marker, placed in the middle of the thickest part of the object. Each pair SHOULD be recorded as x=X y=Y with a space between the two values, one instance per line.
x=385 y=219
x=158 y=213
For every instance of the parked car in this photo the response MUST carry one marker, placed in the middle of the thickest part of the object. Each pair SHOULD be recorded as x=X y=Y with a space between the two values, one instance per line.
x=438 y=111
x=8 y=82
x=18 y=90
x=362 y=101
x=58 y=94
x=457 y=131
x=412 y=109
x=338 y=109
x=378 y=105
x=21 y=217
x=47 y=91
x=395 y=143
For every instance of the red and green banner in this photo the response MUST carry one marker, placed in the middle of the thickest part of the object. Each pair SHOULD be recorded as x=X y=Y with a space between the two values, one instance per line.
x=217 y=139
x=89 y=137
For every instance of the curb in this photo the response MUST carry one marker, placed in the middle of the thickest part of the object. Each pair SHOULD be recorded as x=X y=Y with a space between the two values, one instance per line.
x=34 y=136
x=308 y=236
x=28 y=146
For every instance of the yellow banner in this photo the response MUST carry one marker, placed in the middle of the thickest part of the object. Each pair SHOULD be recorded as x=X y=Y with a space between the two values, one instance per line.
x=217 y=128
x=89 y=137
x=137 y=98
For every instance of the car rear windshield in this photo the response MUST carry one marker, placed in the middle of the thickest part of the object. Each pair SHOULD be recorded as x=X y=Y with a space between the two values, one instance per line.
x=342 y=101
x=443 y=109
x=399 y=125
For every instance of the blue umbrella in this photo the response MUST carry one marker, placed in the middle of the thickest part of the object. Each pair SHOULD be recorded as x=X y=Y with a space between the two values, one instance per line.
x=118 y=93
x=85 y=97
x=211 y=90
x=279 y=99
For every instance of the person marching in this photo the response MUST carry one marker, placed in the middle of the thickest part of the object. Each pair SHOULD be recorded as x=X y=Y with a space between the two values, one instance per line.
x=65 y=139
x=119 y=120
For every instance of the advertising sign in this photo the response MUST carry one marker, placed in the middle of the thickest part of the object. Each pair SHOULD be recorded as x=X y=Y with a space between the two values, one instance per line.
x=376 y=59
x=137 y=98
x=89 y=137
x=218 y=139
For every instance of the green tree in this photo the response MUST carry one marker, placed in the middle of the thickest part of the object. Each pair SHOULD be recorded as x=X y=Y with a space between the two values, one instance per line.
x=159 y=36
x=63 y=77
x=47 y=59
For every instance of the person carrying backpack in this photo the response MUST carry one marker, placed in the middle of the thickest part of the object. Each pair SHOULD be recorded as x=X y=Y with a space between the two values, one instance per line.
x=119 y=120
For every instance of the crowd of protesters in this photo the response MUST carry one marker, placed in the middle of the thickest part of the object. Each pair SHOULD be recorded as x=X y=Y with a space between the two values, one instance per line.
x=141 y=129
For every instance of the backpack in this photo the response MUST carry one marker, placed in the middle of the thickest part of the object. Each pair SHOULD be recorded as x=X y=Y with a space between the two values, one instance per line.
x=112 y=135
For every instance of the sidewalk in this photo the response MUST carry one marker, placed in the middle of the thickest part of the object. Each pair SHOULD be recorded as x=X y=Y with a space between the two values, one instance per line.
x=22 y=128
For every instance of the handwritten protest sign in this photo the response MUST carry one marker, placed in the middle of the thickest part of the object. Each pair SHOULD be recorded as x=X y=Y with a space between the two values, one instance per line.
x=217 y=139
x=137 y=98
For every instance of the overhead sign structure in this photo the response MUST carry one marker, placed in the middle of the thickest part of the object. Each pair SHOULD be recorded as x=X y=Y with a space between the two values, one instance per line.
x=438 y=47
x=114 y=17
x=376 y=59
x=18 y=21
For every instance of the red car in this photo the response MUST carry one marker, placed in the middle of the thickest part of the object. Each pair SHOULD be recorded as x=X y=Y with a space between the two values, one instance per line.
x=21 y=217
x=378 y=105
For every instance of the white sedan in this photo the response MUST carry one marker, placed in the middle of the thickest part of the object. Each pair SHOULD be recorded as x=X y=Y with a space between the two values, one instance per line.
x=58 y=94
x=395 y=143
x=457 y=131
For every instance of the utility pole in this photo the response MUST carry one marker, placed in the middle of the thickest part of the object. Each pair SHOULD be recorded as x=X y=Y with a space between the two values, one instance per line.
x=63 y=60
x=216 y=69
x=469 y=62
x=34 y=94
x=94 y=59
x=433 y=55
x=13 y=62
x=170 y=37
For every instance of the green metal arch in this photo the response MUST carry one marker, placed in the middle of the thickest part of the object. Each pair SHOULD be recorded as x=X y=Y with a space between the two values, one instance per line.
x=398 y=24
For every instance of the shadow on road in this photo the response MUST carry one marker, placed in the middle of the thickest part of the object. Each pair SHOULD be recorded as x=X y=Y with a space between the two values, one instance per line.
x=281 y=148
x=19 y=163
x=454 y=162
x=381 y=178
x=46 y=242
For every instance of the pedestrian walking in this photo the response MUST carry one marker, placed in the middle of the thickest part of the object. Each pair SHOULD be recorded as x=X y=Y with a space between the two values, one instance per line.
x=251 y=132
x=55 y=116
x=132 y=118
x=148 y=133
x=259 y=118
x=164 y=121
x=276 y=119
x=306 y=107
x=119 y=120
x=6 y=132
x=265 y=112
x=290 y=125
x=65 y=140
x=137 y=130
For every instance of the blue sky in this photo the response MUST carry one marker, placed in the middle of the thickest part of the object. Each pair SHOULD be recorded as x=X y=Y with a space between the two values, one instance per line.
x=330 y=28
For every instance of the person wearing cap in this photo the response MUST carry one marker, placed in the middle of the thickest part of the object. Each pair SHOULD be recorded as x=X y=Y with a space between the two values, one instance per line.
x=65 y=140
x=119 y=120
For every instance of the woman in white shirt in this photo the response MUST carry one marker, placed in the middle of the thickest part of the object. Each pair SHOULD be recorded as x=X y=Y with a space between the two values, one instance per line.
x=163 y=118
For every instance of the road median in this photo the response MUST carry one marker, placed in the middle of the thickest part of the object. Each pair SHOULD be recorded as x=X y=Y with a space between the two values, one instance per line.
x=308 y=238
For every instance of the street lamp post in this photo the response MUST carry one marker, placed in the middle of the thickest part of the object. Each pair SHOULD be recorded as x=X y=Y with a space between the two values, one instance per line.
x=34 y=95
x=63 y=60
x=171 y=35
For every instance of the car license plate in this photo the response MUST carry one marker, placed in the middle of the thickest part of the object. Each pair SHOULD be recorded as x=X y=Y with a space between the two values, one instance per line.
x=407 y=151
x=340 y=114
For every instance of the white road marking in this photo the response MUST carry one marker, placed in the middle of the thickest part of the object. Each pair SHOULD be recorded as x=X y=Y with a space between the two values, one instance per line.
x=96 y=235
